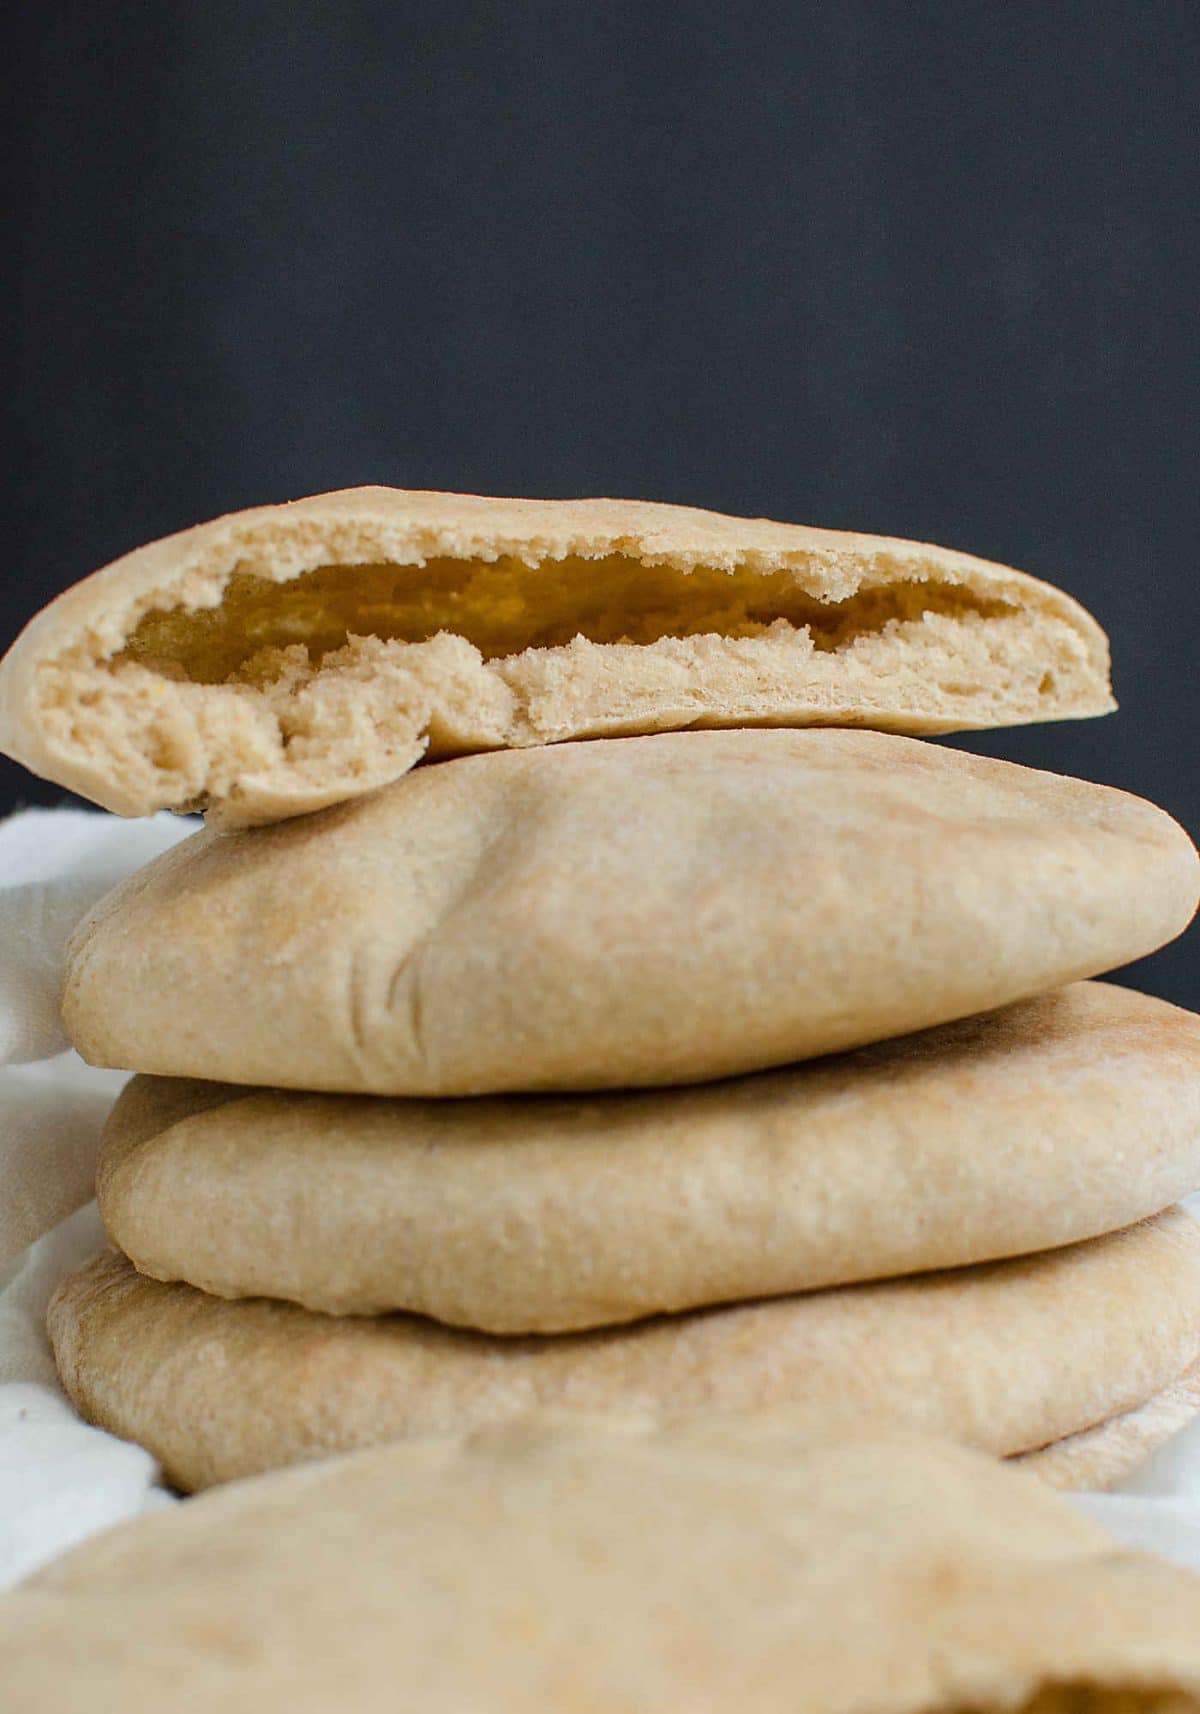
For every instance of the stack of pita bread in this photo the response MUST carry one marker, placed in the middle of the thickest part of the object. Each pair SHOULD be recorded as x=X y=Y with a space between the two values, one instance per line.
x=738 y=1053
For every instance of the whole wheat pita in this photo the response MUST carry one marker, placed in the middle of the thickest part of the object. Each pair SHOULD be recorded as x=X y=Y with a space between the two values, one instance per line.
x=644 y=911
x=277 y=660
x=613 y=1565
x=1007 y=1356
x=1053 y=1120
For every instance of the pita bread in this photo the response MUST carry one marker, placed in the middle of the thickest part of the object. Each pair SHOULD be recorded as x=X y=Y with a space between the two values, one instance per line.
x=278 y=660
x=1007 y=1357
x=1054 y=1120
x=644 y=911
x=618 y=1566
x=1101 y=1457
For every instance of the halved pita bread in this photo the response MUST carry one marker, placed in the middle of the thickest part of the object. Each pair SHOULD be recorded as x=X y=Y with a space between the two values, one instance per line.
x=1007 y=1357
x=277 y=660
x=1048 y=1122
x=617 y=1566
x=645 y=911
x=1102 y=1456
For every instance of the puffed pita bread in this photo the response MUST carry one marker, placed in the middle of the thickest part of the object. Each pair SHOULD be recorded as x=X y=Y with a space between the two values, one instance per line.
x=277 y=660
x=1051 y=1121
x=586 y=1563
x=1102 y=1456
x=617 y=1566
x=642 y=911
x=1007 y=1357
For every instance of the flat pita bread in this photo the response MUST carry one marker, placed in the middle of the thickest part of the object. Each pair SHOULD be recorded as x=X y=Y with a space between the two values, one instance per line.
x=644 y=911
x=612 y=1565
x=278 y=660
x=1007 y=1357
x=1101 y=1457
x=1054 y=1120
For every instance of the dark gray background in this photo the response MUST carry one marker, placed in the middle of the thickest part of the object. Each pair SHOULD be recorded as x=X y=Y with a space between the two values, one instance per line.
x=924 y=269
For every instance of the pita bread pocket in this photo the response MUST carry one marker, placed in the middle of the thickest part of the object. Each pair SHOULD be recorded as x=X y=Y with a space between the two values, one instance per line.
x=1048 y=1122
x=643 y=911
x=278 y=660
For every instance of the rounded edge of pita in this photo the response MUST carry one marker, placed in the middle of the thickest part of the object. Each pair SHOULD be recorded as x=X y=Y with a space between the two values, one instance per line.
x=1007 y=1356
x=1102 y=1456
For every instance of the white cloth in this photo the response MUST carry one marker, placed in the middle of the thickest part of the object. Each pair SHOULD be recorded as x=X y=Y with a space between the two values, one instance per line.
x=54 y=865
x=59 y=1479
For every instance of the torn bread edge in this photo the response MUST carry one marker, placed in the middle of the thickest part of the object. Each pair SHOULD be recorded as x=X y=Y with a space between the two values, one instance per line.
x=77 y=709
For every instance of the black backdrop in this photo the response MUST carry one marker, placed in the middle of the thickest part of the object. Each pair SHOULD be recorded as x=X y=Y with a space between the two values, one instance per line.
x=924 y=269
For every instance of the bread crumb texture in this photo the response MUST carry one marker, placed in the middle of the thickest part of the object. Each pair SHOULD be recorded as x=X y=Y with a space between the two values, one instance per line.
x=281 y=659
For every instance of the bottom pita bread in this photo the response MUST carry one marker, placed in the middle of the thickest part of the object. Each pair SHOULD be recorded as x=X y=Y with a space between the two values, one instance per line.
x=1101 y=1457
x=1007 y=1356
x=618 y=1566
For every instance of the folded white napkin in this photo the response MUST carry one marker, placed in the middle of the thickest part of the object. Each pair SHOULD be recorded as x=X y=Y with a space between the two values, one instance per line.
x=59 y=1479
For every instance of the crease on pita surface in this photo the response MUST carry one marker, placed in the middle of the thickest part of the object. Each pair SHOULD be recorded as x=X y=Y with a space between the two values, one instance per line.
x=656 y=910
x=280 y=659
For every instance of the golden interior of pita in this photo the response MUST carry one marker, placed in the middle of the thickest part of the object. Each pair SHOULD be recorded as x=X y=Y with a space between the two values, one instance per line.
x=506 y=606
